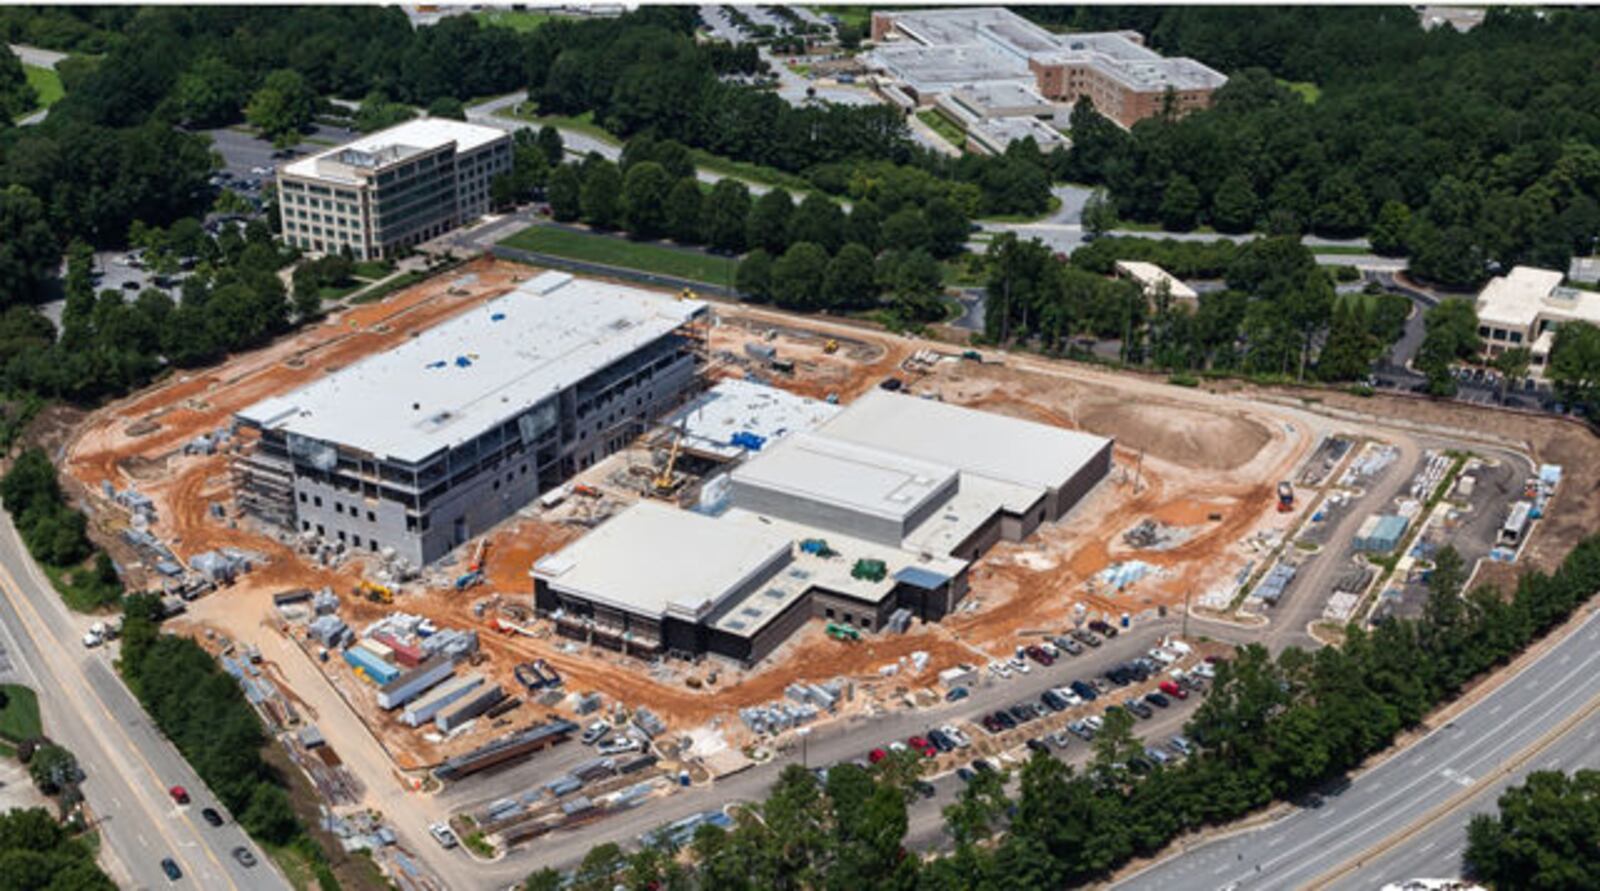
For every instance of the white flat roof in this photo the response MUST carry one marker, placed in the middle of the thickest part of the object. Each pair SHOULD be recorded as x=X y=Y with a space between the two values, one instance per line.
x=654 y=559
x=711 y=420
x=978 y=442
x=863 y=478
x=422 y=133
x=1150 y=276
x=459 y=378
x=1518 y=298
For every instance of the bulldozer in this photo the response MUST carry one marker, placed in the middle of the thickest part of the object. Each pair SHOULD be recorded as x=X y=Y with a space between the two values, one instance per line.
x=374 y=592
x=843 y=632
x=830 y=347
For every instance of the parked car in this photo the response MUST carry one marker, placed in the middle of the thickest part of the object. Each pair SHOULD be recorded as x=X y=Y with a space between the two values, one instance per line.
x=1165 y=657
x=1050 y=649
x=1087 y=637
x=965 y=774
x=1104 y=628
x=595 y=732
x=1052 y=701
x=1172 y=689
x=1021 y=713
x=1059 y=739
x=617 y=745
x=1095 y=722
x=897 y=746
x=1000 y=669
x=179 y=794
x=1037 y=654
x=244 y=857
x=876 y=755
x=1181 y=745
x=1004 y=718
x=992 y=724
x=1072 y=699
x=1159 y=700
x=1020 y=665
x=1069 y=645
x=982 y=766
x=956 y=736
x=442 y=834
x=1205 y=670
x=921 y=744
x=211 y=816
x=924 y=788
x=941 y=741
x=956 y=694
x=1139 y=708
x=1140 y=764
x=1156 y=755
x=170 y=867
x=1085 y=691
x=1035 y=745
x=1081 y=730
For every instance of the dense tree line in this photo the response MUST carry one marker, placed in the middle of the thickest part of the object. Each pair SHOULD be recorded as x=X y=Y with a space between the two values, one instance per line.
x=1455 y=149
x=17 y=98
x=55 y=533
x=1278 y=314
x=1575 y=364
x=203 y=712
x=1271 y=728
x=1542 y=835
x=39 y=854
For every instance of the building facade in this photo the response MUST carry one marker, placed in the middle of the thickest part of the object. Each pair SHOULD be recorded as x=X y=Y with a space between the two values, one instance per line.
x=393 y=189
x=418 y=449
x=1525 y=307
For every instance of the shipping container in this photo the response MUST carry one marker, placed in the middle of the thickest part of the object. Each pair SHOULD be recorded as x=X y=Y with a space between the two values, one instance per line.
x=470 y=708
x=424 y=709
x=375 y=669
x=415 y=682
x=404 y=654
x=375 y=648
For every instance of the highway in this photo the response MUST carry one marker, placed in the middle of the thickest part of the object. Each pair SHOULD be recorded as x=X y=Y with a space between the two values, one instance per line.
x=129 y=764
x=1516 y=725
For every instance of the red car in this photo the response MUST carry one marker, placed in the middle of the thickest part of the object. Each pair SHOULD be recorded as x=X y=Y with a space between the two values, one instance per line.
x=928 y=749
x=1037 y=654
x=1171 y=688
x=877 y=755
x=179 y=794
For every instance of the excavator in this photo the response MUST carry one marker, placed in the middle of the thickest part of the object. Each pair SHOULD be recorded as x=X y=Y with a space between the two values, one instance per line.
x=666 y=482
x=374 y=592
x=474 y=574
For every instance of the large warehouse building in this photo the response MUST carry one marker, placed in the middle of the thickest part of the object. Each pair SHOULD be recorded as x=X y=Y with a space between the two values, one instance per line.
x=433 y=442
x=870 y=519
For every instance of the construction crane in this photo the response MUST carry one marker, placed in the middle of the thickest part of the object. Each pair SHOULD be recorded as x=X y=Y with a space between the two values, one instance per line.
x=665 y=482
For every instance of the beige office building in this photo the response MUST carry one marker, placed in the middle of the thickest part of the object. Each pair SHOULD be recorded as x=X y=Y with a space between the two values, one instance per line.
x=1524 y=307
x=393 y=189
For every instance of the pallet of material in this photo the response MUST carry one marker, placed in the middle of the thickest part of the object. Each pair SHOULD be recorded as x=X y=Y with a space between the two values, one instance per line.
x=328 y=756
x=497 y=752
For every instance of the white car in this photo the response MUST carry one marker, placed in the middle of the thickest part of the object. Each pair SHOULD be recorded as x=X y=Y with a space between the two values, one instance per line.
x=999 y=669
x=897 y=746
x=1205 y=670
x=92 y=640
x=1165 y=657
x=595 y=732
x=618 y=745
x=1050 y=650
x=1179 y=647
x=1095 y=722
x=956 y=736
x=1072 y=699
x=442 y=834
x=1020 y=665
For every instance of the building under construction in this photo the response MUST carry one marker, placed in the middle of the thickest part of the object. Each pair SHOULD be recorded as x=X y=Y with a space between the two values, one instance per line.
x=421 y=448
x=869 y=521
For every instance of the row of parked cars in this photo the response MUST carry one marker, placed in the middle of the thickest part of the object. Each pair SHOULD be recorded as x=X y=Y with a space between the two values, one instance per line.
x=1052 y=648
x=932 y=744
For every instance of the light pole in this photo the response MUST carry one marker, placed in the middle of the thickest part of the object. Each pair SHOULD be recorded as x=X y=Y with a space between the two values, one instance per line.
x=805 y=737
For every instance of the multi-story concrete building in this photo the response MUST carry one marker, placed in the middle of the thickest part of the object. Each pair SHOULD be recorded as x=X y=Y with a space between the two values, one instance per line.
x=1524 y=307
x=929 y=53
x=433 y=442
x=392 y=189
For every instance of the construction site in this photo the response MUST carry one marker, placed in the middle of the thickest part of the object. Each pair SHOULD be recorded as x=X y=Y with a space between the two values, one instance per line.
x=432 y=653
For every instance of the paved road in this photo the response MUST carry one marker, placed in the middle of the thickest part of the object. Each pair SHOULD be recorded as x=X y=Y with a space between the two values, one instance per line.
x=1064 y=233
x=32 y=55
x=1468 y=753
x=129 y=764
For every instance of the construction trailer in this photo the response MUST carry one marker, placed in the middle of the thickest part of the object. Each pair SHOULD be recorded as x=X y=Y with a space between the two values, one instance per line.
x=415 y=682
x=418 y=449
x=371 y=666
x=475 y=705
x=1380 y=533
x=428 y=707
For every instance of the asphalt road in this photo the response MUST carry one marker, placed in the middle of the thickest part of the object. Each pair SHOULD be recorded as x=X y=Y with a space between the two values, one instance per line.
x=129 y=764
x=1471 y=753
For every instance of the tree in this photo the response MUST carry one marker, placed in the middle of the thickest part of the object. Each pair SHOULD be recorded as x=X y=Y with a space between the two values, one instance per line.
x=282 y=108
x=1575 y=364
x=1542 y=836
x=378 y=113
x=864 y=224
x=1388 y=236
x=644 y=199
x=269 y=816
x=1180 y=204
x=549 y=142
x=1351 y=347
x=565 y=193
x=1234 y=206
x=1451 y=336
x=28 y=249
x=906 y=230
x=1513 y=367
x=1341 y=206
x=727 y=211
x=797 y=276
x=819 y=221
x=768 y=226
x=849 y=282
x=686 y=212
x=601 y=196
x=53 y=769
x=754 y=276
x=210 y=93
x=1099 y=213
x=17 y=98
x=947 y=228
x=449 y=107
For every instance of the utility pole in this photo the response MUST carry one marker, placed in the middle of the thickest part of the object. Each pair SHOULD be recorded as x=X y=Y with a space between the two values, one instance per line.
x=1186 y=613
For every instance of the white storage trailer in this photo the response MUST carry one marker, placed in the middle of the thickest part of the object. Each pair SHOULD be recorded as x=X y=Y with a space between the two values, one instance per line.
x=424 y=710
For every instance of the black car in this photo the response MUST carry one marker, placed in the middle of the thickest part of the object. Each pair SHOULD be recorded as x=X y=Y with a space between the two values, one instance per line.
x=1139 y=708
x=1053 y=702
x=245 y=858
x=170 y=867
x=924 y=788
x=1159 y=700
x=211 y=816
x=1119 y=675
x=1021 y=713
x=1005 y=720
x=1139 y=671
x=1140 y=764
x=965 y=774
x=891 y=384
x=1085 y=691
x=1038 y=746
x=1104 y=628
x=982 y=766
x=1086 y=637
x=940 y=741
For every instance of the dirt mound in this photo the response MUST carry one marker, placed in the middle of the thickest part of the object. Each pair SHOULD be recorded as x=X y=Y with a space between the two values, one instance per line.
x=1182 y=435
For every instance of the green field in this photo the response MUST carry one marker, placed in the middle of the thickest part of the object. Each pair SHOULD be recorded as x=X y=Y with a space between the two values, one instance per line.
x=46 y=83
x=615 y=250
x=516 y=21
x=583 y=123
x=946 y=128
x=19 y=720
x=1305 y=89
x=860 y=16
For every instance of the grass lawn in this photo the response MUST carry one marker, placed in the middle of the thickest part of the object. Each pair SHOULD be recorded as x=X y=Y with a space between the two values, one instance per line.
x=615 y=250
x=860 y=16
x=45 y=82
x=79 y=588
x=1305 y=89
x=405 y=280
x=19 y=720
x=334 y=292
x=960 y=274
x=583 y=123
x=516 y=21
x=372 y=269
x=947 y=129
x=1055 y=205
x=755 y=173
